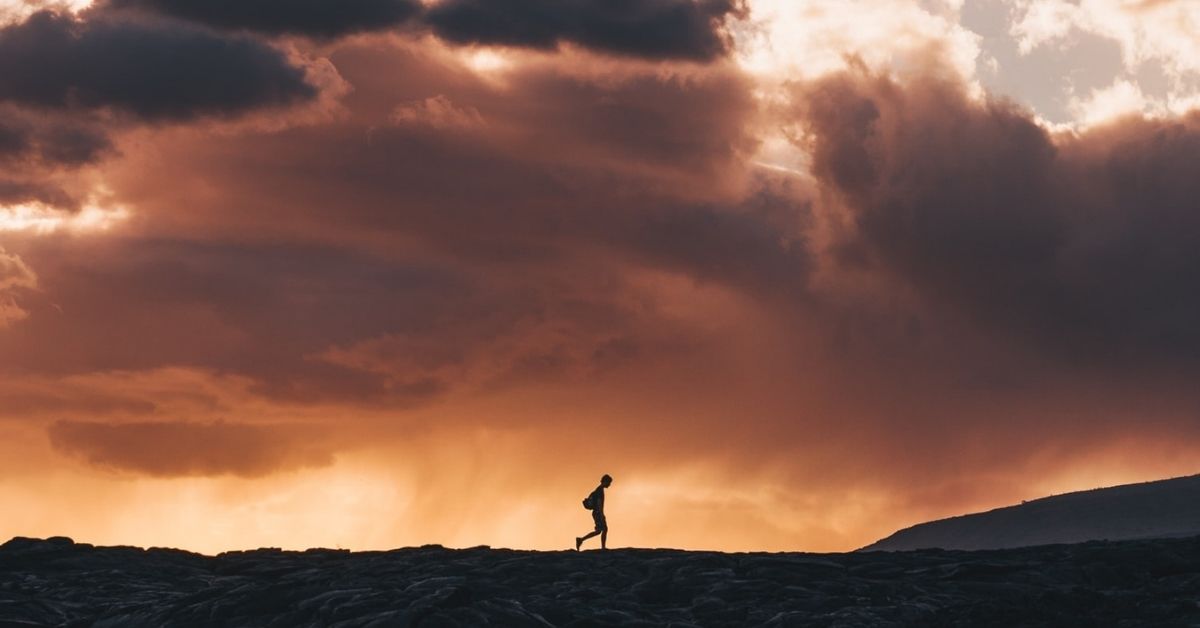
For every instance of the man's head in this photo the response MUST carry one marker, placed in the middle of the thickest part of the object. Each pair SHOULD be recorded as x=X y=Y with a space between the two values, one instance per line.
x=606 y=480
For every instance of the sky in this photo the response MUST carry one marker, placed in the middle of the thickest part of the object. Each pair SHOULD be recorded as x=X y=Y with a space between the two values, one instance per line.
x=796 y=273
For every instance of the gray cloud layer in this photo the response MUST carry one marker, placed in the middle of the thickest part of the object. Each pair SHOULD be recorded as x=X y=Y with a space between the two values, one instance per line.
x=190 y=449
x=1085 y=245
x=669 y=29
x=318 y=18
x=654 y=29
x=151 y=71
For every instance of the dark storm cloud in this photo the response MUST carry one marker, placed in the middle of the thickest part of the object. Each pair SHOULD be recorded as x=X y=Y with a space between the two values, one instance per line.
x=25 y=404
x=655 y=29
x=741 y=247
x=546 y=135
x=144 y=304
x=622 y=149
x=317 y=18
x=155 y=71
x=1088 y=246
x=666 y=29
x=521 y=226
x=35 y=149
x=17 y=191
x=192 y=449
x=72 y=145
x=319 y=324
x=32 y=142
x=14 y=140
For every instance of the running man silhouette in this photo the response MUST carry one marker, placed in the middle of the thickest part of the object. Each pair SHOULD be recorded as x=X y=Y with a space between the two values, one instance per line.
x=595 y=503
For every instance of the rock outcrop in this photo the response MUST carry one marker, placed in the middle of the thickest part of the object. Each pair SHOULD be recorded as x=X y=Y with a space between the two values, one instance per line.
x=56 y=582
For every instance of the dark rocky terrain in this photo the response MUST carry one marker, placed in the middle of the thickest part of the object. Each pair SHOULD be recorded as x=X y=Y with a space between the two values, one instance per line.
x=56 y=582
x=1162 y=509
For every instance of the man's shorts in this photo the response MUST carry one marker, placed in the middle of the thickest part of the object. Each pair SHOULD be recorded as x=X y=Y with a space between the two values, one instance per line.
x=601 y=522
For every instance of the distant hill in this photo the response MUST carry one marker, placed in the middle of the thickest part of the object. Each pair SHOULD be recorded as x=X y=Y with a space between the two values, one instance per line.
x=1162 y=509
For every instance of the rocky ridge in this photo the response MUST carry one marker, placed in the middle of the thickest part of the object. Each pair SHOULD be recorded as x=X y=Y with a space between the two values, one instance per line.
x=56 y=582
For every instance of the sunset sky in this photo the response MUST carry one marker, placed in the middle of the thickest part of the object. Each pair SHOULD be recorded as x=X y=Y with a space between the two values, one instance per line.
x=796 y=273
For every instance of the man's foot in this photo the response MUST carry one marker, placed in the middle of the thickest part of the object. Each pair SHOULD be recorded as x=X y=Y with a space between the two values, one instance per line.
x=578 y=542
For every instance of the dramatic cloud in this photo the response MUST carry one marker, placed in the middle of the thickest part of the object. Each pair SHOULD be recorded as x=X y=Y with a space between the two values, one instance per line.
x=39 y=155
x=674 y=140
x=233 y=316
x=669 y=29
x=22 y=404
x=15 y=277
x=437 y=112
x=657 y=29
x=185 y=449
x=30 y=142
x=14 y=273
x=817 y=289
x=71 y=86
x=15 y=192
x=152 y=71
x=1085 y=244
x=317 y=18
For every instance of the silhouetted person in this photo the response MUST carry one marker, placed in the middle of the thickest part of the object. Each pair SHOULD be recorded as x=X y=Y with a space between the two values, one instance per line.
x=595 y=503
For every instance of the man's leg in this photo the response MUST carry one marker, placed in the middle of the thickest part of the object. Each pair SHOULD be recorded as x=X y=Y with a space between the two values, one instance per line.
x=580 y=539
x=604 y=538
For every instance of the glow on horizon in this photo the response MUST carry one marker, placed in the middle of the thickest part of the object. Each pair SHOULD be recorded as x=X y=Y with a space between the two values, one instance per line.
x=378 y=501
